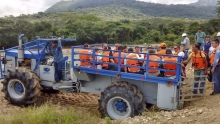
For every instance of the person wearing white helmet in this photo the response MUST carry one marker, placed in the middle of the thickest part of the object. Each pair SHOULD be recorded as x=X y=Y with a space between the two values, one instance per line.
x=186 y=45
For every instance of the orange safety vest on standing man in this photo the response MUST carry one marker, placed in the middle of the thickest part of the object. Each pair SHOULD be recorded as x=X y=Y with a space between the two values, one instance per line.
x=197 y=60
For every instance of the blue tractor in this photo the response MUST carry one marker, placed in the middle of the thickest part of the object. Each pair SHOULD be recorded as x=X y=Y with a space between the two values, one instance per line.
x=28 y=68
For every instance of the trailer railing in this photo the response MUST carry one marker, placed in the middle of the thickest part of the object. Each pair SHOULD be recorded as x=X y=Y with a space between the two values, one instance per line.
x=119 y=73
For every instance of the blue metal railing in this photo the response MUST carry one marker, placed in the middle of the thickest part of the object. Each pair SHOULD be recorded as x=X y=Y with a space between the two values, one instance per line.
x=144 y=77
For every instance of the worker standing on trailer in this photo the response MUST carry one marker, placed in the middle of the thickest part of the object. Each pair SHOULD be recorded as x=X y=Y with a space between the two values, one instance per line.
x=200 y=65
x=215 y=63
x=186 y=45
x=57 y=53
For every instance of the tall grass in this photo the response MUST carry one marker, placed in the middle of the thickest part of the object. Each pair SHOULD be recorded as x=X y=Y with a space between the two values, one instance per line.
x=50 y=114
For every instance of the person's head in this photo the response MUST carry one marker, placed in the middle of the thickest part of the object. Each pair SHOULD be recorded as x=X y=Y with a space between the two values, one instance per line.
x=149 y=48
x=130 y=50
x=163 y=46
x=199 y=30
x=207 y=38
x=120 y=48
x=184 y=35
x=195 y=48
x=215 y=43
x=176 y=48
x=169 y=51
x=152 y=51
x=125 y=48
x=137 y=49
x=109 y=48
x=105 y=46
x=86 y=45
x=218 y=35
x=116 y=46
x=54 y=44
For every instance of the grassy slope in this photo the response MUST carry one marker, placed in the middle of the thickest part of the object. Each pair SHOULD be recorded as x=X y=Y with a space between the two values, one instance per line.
x=50 y=114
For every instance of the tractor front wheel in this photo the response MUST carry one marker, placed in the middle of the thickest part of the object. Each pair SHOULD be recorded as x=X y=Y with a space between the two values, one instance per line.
x=21 y=87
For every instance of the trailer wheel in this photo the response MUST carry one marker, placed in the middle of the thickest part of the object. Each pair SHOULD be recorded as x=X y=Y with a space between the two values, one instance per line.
x=121 y=100
x=21 y=87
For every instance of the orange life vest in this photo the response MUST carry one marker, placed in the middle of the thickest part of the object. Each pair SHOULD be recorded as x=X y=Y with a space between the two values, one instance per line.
x=197 y=60
x=105 y=59
x=116 y=58
x=176 y=53
x=153 y=64
x=213 y=58
x=168 y=66
x=132 y=62
x=84 y=57
x=161 y=52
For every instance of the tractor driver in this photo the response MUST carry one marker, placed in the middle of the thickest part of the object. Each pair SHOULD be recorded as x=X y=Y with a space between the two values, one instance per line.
x=56 y=51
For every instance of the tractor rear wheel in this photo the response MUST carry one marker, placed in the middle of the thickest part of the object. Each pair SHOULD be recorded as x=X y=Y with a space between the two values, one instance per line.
x=21 y=87
x=121 y=100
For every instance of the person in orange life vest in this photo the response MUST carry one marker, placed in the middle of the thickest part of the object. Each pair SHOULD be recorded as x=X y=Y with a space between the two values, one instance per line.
x=169 y=66
x=215 y=64
x=200 y=66
x=108 y=58
x=163 y=47
x=130 y=62
x=85 y=59
x=116 y=55
x=153 y=64
x=141 y=55
x=180 y=53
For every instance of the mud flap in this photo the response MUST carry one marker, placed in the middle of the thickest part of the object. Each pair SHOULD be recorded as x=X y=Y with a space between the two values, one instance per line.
x=191 y=89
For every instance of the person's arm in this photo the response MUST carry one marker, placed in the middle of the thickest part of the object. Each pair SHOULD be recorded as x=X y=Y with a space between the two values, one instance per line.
x=184 y=42
x=216 y=59
x=206 y=63
x=187 y=61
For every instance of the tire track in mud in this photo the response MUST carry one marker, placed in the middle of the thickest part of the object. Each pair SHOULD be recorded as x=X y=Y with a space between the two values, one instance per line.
x=85 y=100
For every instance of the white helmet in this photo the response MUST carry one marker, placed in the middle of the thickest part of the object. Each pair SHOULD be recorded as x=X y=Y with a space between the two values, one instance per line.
x=184 y=35
x=218 y=34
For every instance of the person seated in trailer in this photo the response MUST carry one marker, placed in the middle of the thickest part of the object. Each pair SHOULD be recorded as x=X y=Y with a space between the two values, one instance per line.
x=169 y=66
x=105 y=46
x=116 y=57
x=131 y=62
x=163 y=47
x=153 y=64
x=56 y=50
x=98 y=58
x=108 y=58
x=141 y=55
x=85 y=55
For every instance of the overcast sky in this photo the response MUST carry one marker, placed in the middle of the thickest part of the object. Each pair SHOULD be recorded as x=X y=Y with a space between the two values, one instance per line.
x=17 y=7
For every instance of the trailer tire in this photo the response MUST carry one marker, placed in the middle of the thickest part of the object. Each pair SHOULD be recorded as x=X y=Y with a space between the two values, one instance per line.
x=121 y=100
x=21 y=87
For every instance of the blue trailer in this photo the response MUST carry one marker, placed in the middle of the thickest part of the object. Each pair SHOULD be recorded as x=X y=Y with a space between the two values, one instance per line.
x=28 y=68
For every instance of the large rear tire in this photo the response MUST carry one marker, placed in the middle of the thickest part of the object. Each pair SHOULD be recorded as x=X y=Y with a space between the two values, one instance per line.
x=121 y=100
x=21 y=87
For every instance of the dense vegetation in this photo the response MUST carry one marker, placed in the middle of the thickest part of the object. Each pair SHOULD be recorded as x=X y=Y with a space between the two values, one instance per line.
x=141 y=8
x=92 y=29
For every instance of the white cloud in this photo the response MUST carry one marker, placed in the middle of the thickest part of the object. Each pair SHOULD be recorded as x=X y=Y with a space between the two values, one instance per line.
x=17 y=7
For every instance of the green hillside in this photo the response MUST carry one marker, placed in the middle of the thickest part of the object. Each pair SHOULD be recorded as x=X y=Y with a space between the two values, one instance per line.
x=142 y=9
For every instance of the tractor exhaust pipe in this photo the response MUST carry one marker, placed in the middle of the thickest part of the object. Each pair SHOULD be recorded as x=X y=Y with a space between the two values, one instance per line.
x=20 y=49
